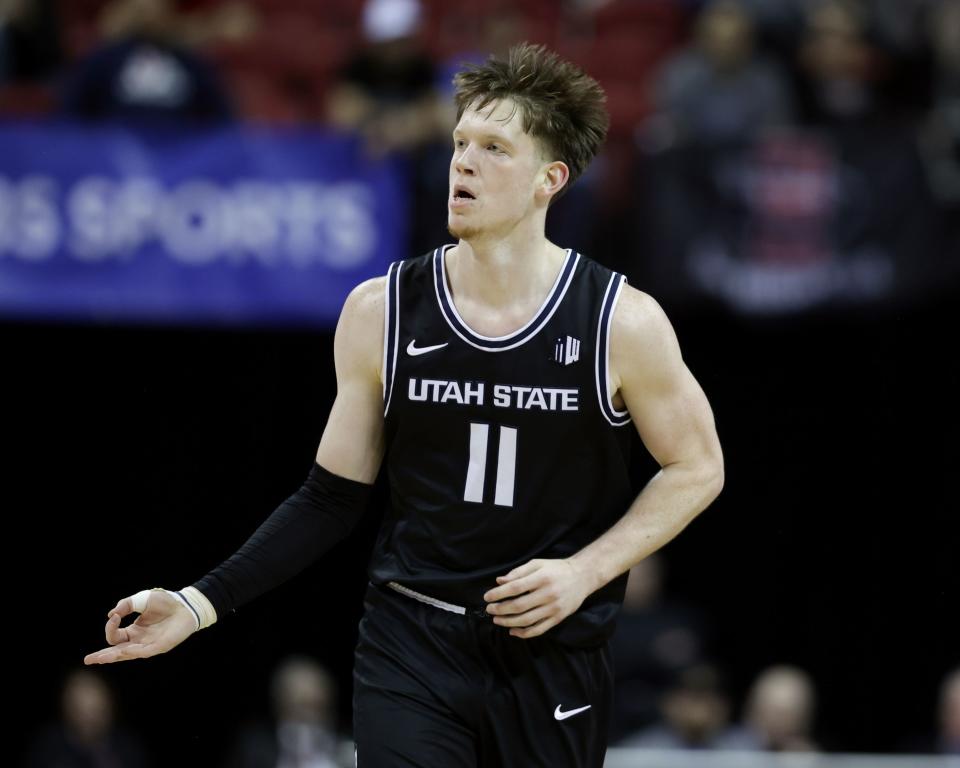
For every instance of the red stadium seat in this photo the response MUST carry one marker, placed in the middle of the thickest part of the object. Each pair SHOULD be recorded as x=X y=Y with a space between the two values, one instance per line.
x=260 y=99
x=666 y=17
x=25 y=100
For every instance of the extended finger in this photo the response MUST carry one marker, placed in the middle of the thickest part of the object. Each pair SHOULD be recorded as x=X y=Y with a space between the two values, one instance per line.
x=520 y=571
x=122 y=652
x=518 y=604
x=513 y=588
x=525 y=633
x=527 y=619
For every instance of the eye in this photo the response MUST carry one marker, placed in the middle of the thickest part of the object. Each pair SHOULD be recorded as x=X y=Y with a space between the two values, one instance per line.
x=459 y=143
x=494 y=147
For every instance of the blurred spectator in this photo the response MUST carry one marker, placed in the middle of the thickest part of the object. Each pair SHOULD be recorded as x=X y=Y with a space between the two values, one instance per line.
x=719 y=90
x=302 y=732
x=655 y=638
x=387 y=93
x=29 y=40
x=944 y=31
x=496 y=33
x=230 y=22
x=940 y=137
x=948 y=741
x=695 y=715
x=839 y=66
x=146 y=73
x=780 y=710
x=86 y=735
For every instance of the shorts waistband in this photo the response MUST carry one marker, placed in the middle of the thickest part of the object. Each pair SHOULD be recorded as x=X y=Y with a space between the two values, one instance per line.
x=436 y=603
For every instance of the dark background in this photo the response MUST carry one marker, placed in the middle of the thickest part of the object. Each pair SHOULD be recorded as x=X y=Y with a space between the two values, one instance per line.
x=142 y=457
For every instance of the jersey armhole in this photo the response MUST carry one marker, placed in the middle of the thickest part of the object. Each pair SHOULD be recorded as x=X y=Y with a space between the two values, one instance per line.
x=602 y=361
x=391 y=331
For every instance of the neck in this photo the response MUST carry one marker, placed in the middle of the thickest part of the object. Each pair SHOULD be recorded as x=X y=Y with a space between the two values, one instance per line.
x=506 y=272
x=501 y=279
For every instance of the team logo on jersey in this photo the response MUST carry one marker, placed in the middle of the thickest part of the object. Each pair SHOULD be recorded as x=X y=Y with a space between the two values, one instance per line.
x=566 y=350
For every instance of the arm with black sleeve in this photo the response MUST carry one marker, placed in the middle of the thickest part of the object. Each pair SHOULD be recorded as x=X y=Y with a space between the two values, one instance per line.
x=322 y=512
x=305 y=526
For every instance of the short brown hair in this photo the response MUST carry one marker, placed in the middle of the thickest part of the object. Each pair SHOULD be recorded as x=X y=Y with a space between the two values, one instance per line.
x=560 y=105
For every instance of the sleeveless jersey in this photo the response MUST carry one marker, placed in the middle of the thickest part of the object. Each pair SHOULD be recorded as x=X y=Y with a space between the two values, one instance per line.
x=500 y=449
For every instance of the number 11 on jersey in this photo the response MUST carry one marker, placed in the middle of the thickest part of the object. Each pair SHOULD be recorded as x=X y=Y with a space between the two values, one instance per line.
x=477 y=467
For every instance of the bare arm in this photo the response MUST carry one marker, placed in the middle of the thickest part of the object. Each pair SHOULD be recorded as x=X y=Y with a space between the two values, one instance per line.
x=675 y=422
x=352 y=442
x=351 y=447
x=673 y=417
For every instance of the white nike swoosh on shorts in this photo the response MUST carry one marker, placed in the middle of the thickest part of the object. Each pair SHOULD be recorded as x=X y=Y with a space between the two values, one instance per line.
x=414 y=350
x=558 y=715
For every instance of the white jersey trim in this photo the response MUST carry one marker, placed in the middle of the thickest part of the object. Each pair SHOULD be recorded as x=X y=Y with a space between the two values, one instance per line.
x=602 y=363
x=524 y=334
x=391 y=310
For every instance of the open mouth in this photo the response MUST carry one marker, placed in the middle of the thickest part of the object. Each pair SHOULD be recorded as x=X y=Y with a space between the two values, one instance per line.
x=461 y=193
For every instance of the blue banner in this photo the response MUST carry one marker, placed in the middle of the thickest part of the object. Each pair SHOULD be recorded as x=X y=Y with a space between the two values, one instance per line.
x=232 y=226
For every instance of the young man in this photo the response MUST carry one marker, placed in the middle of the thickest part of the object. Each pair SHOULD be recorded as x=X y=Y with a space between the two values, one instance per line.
x=499 y=376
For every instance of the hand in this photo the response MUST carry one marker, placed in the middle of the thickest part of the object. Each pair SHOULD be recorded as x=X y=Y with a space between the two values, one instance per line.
x=164 y=623
x=536 y=596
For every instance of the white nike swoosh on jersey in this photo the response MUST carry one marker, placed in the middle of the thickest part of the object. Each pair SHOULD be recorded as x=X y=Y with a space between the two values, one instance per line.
x=569 y=713
x=412 y=349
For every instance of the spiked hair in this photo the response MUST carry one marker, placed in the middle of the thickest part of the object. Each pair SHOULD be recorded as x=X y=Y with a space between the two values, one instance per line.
x=560 y=105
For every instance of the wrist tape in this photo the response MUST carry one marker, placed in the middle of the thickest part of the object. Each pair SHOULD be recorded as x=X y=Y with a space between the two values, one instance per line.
x=190 y=597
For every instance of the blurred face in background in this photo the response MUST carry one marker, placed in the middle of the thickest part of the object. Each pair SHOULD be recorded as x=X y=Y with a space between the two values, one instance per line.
x=696 y=708
x=834 y=47
x=725 y=34
x=950 y=710
x=780 y=708
x=495 y=173
x=697 y=715
x=945 y=34
x=87 y=706
x=303 y=692
x=150 y=18
x=644 y=584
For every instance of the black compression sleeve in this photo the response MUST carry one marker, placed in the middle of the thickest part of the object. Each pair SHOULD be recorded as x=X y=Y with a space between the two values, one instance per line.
x=300 y=530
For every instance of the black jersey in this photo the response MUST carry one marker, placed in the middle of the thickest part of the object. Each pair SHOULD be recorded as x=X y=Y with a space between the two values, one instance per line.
x=500 y=449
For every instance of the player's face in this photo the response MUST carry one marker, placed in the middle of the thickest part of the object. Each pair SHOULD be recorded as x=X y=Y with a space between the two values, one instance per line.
x=493 y=172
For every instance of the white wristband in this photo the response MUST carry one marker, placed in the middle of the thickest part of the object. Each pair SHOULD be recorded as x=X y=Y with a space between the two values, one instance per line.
x=190 y=598
x=198 y=603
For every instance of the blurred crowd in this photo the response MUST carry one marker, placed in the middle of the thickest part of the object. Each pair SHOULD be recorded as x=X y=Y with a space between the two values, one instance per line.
x=880 y=79
x=678 y=73
x=670 y=694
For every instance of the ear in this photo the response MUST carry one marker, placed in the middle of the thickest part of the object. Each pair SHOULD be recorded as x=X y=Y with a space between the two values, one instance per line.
x=553 y=177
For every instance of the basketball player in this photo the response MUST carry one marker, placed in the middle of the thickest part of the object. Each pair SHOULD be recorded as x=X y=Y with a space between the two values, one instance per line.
x=500 y=377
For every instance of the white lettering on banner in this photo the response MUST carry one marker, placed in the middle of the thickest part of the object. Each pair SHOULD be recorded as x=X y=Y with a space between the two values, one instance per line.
x=192 y=223
x=350 y=231
x=197 y=222
x=253 y=222
x=111 y=222
x=30 y=226
x=88 y=208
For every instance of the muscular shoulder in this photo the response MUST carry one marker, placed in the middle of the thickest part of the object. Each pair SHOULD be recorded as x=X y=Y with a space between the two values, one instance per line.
x=366 y=300
x=358 y=345
x=642 y=340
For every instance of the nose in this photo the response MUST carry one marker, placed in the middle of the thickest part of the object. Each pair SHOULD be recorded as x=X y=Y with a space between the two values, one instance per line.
x=464 y=161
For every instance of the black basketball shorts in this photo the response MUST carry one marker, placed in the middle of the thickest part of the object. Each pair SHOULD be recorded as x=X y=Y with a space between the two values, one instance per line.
x=434 y=688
